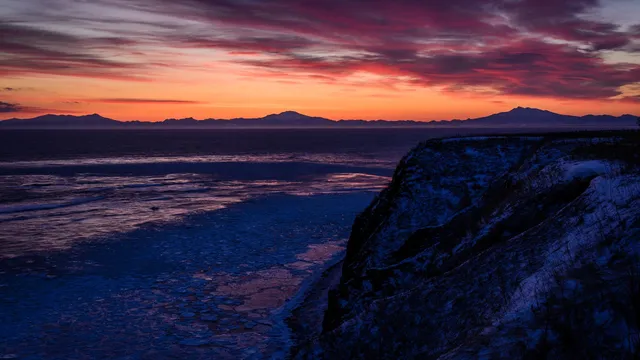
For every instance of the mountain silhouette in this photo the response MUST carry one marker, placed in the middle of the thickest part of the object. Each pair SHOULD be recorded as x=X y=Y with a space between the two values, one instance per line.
x=524 y=116
x=517 y=117
x=62 y=121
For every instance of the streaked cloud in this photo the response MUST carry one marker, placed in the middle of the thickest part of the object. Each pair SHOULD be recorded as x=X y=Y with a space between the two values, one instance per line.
x=144 y=101
x=526 y=48
x=11 y=108
x=6 y=107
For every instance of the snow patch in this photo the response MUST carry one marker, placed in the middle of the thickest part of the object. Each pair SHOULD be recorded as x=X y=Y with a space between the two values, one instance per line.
x=585 y=169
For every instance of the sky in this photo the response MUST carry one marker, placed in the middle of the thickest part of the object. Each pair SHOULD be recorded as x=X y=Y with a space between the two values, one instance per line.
x=342 y=59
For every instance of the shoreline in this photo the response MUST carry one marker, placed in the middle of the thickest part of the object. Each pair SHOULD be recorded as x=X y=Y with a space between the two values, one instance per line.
x=305 y=319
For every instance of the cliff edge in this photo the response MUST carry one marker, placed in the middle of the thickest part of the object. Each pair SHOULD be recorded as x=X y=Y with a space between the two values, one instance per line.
x=495 y=247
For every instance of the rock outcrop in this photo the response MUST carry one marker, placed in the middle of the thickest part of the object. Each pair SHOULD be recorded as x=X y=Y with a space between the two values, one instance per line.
x=495 y=247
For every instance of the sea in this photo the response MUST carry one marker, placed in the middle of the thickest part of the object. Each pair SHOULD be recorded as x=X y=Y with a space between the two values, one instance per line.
x=177 y=244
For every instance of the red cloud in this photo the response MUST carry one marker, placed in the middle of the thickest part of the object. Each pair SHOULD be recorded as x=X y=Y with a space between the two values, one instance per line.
x=519 y=47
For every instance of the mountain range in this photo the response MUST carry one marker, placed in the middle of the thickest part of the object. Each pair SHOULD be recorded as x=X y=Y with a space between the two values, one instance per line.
x=517 y=117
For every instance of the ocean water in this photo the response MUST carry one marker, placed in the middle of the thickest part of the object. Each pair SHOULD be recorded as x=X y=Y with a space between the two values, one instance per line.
x=175 y=244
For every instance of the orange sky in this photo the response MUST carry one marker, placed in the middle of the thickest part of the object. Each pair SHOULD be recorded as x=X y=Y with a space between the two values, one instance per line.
x=139 y=62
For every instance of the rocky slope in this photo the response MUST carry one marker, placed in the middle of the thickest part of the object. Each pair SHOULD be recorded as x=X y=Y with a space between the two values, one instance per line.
x=495 y=247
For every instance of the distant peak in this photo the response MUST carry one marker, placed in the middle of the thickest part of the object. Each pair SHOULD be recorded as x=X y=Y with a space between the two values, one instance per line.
x=93 y=116
x=526 y=109
x=182 y=119
x=290 y=112
x=288 y=115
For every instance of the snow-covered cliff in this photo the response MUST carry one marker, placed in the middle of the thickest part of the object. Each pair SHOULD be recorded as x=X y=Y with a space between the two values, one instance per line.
x=495 y=247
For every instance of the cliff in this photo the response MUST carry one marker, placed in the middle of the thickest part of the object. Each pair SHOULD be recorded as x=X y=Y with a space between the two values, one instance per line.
x=495 y=247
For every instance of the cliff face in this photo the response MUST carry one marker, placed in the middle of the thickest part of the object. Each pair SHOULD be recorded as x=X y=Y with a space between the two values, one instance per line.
x=495 y=247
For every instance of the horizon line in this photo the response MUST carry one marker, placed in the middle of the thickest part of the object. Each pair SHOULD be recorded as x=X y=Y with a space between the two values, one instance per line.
x=304 y=115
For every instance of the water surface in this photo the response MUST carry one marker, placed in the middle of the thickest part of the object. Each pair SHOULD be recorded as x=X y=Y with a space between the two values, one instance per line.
x=175 y=244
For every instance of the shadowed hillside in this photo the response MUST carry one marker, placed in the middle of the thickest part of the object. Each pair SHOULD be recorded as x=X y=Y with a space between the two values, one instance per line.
x=495 y=247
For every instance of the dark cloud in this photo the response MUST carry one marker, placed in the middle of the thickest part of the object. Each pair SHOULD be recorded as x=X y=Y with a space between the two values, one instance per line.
x=611 y=43
x=9 y=108
x=29 y=50
x=504 y=45
x=518 y=47
x=530 y=68
x=275 y=44
x=633 y=99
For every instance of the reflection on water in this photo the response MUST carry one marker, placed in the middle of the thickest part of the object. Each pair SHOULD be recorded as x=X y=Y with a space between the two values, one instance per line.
x=154 y=271
x=372 y=159
x=216 y=286
x=40 y=212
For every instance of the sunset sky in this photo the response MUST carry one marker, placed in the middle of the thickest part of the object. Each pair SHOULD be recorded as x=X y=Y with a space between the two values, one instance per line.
x=341 y=59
